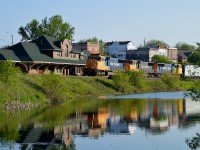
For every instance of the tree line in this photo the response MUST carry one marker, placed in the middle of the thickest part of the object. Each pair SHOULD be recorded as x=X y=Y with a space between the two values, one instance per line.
x=56 y=27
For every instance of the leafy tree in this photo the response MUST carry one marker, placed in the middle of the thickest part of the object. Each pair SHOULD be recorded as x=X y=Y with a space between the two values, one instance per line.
x=194 y=142
x=53 y=26
x=194 y=91
x=195 y=58
x=9 y=78
x=5 y=46
x=198 y=44
x=8 y=72
x=198 y=47
x=95 y=39
x=154 y=43
x=184 y=46
x=161 y=59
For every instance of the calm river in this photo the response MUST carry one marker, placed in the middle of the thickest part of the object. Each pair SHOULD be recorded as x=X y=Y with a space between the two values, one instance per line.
x=152 y=121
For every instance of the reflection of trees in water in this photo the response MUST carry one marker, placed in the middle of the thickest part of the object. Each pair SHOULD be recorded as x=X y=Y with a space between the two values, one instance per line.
x=134 y=111
x=71 y=146
x=194 y=91
x=194 y=94
x=194 y=142
x=13 y=124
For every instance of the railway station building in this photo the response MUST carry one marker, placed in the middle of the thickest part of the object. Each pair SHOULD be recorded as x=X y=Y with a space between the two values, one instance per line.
x=46 y=55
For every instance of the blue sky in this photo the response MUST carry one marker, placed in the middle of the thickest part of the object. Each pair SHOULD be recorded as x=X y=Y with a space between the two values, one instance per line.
x=171 y=21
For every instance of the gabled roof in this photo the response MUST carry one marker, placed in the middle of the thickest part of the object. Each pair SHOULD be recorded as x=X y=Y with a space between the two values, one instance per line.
x=2 y=57
x=6 y=54
x=124 y=42
x=109 y=43
x=184 y=54
x=120 y=43
x=31 y=52
x=47 y=43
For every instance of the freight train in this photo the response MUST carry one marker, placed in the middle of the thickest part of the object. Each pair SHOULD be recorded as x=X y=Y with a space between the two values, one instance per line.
x=105 y=65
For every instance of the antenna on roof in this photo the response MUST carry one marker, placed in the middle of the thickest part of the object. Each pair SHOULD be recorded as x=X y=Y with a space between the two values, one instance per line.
x=144 y=41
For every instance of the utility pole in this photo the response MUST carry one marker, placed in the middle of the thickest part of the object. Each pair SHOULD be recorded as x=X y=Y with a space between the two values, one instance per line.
x=11 y=36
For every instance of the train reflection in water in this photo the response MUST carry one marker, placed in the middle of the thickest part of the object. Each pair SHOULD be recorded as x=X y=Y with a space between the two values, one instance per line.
x=154 y=116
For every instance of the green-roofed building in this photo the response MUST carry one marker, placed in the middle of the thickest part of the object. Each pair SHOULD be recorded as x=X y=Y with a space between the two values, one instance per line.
x=46 y=54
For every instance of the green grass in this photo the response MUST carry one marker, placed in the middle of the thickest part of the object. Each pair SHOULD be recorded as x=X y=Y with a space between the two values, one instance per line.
x=30 y=87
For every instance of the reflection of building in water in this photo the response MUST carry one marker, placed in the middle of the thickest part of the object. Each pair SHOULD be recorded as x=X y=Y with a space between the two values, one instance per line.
x=156 y=117
x=160 y=114
x=191 y=112
x=159 y=119
x=191 y=107
x=160 y=122
x=103 y=115
x=134 y=114
x=131 y=128
x=117 y=124
x=93 y=124
x=36 y=136
x=121 y=124
x=105 y=120
x=76 y=125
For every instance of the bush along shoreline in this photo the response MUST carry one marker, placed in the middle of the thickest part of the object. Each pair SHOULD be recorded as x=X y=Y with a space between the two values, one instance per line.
x=25 y=91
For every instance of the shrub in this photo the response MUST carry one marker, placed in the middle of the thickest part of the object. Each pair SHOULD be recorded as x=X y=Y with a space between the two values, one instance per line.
x=8 y=72
x=54 y=88
x=172 y=81
x=121 y=82
x=9 y=79
x=157 y=85
x=194 y=91
x=137 y=79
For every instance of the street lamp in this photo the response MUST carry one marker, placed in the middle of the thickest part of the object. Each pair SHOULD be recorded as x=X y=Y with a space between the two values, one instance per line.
x=11 y=36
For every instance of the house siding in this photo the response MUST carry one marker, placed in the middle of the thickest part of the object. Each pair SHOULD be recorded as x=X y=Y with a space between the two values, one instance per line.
x=92 y=47
x=119 y=49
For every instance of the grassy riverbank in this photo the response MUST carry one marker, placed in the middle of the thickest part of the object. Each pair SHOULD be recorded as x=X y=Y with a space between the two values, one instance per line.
x=35 y=88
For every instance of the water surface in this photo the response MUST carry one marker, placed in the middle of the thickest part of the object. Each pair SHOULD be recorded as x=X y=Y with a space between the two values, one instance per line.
x=153 y=121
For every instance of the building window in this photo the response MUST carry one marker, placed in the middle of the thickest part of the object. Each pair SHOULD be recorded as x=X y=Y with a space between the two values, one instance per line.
x=66 y=53
x=73 y=55
x=59 y=54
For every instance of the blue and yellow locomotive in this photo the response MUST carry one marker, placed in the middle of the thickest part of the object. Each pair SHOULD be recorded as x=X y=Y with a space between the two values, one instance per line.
x=105 y=65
